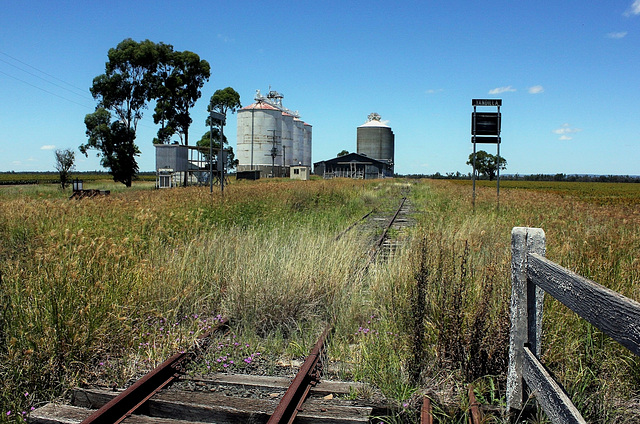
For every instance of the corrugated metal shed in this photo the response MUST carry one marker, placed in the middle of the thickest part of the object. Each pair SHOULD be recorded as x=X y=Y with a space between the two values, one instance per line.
x=353 y=165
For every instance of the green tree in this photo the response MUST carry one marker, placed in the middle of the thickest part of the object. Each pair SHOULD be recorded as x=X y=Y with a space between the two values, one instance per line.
x=177 y=84
x=223 y=101
x=64 y=165
x=487 y=164
x=115 y=144
x=232 y=162
x=343 y=153
x=126 y=86
x=124 y=89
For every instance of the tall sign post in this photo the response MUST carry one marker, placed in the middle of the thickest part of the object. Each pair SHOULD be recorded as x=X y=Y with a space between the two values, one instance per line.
x=220 y=117
x=485 y=128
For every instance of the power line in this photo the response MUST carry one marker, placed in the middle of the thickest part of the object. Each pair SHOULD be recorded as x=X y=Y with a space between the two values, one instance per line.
x=45 y=80
x=141 y=124
x=82 y=90
x=46 y=91
x=83 y=95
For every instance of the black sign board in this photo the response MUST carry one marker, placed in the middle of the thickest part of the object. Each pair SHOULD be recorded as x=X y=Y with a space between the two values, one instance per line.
x=486 y=102
x=491 y=140
x=485 y=123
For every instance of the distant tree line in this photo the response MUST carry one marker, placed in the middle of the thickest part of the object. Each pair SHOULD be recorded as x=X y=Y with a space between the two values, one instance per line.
x=575 y=178
x=53 y=177
x=486 y=166
x=534 y=177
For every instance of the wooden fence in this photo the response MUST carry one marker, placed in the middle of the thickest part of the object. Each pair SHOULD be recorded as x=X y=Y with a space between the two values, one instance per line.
x=531 y=276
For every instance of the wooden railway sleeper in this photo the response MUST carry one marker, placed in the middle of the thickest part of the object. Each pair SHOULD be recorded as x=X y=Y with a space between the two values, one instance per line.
x=127 y=402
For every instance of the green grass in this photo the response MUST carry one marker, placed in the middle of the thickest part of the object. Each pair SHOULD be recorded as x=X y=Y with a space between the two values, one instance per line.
x=102 y=289
x=592 y=192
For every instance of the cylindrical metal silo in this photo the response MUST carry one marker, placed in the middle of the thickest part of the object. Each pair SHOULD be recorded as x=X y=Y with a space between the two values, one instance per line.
x=376 y=140
x=298 y=142
x=258 y=125
x=287 y=138
x=306 y=155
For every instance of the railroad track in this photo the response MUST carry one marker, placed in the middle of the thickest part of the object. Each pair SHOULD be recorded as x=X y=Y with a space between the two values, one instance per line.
x=273 y=400
x=165 y=395
x=474 y=413
x=384 y=246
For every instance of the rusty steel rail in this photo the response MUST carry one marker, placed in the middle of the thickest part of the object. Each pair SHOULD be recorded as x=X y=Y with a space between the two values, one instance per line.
x=353 y=225
x=426 y=415
x=475 y=415
x=307 y=377
x=127 y=402
x=377 y=246
x=391 y=221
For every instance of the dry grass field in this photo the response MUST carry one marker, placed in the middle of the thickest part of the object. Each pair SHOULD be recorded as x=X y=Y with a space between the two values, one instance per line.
x=100 y=290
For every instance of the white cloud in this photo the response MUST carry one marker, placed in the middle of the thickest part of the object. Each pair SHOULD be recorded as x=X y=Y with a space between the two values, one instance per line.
x=501 y=90
x=536 y=89
x=225 y=38
x=634 y=9
x=617 y=35
x=564 y=130
x=433 y=91
x=48 y=147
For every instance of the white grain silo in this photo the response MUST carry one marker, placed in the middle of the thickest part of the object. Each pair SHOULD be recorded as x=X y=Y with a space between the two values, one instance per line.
x=267 y=130
x=376 y=140
x=298 y=142
x=306 y=155
x=287 y=138
x=259 y=131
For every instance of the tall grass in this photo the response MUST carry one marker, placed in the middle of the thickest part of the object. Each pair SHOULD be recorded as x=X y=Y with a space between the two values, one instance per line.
x=597 y=240
x=84 y=282
x=101 y=289
x=442 y=319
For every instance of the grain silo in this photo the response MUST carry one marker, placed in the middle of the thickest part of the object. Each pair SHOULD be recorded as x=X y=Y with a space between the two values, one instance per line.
x=376 y=140
x=287 y=139
x=259 y=128
x=306 y=151
x=271 y=138
x=298 y=142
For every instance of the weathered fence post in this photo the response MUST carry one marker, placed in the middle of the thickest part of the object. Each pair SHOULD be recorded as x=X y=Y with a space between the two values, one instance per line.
x=526 y=310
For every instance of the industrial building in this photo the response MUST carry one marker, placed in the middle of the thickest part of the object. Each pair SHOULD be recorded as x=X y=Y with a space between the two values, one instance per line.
x=352 y=165
x=173 y=161
x=374 y=157
x=272 y=138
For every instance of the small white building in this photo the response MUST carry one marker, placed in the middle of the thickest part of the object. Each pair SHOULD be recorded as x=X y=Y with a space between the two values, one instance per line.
x=300 y=172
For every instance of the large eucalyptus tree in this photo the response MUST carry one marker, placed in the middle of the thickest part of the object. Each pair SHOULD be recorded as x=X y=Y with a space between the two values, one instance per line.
x=135 y=74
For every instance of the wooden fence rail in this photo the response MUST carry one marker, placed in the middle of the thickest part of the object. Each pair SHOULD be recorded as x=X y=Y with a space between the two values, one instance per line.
x=531 y=276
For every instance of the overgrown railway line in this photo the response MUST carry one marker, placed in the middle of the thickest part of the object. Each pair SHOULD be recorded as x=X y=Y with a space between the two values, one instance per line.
x=166 y=395
x=257 y=399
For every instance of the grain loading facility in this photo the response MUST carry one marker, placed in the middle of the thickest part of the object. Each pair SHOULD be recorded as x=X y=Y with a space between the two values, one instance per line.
x=376 y=140
x=374 y=157
x=271 y=138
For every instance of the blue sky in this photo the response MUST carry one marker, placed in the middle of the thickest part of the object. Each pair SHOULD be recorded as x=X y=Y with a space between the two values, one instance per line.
x=568 y=73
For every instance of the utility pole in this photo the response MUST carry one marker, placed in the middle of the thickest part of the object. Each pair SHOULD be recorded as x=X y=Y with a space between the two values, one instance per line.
x=220 y=117
x=274 y=153
x=284 y=160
